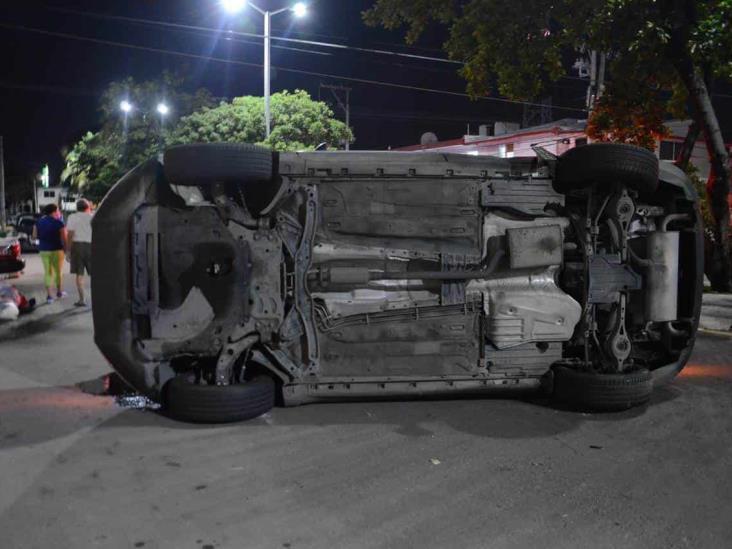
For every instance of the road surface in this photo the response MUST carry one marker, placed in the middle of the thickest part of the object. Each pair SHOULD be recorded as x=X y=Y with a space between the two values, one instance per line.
x=76 y=470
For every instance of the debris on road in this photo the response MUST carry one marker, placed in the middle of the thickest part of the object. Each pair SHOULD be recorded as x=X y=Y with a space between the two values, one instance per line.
x=124 y=395
x=13 y=303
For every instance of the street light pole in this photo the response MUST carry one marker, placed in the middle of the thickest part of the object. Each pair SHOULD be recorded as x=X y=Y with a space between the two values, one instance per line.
x=3 y=220
x=267 y=15
x=267 y=50
x=300 y=10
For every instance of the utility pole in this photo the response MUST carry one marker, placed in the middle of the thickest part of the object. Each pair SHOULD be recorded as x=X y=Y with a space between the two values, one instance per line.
x=343 y=103
x=3 y=219
x=596 y=73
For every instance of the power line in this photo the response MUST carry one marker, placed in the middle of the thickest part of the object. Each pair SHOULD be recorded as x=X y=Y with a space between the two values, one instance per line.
x=251 y=42
x=357 y=113
x=46 y=88
x=207 y=31
x=208 y=34
x=413 y=47
x=195 y=31
x=258 y=65
x=366 y=113
x=179 y=26
x=290 y=31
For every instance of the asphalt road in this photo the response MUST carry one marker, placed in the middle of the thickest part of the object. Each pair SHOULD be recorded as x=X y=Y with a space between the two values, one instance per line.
x=78 y=471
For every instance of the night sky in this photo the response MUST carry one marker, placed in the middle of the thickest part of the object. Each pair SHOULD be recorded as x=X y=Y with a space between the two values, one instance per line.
x=49 y=85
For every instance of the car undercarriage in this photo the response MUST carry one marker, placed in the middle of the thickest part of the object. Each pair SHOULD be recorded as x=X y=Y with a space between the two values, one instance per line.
x=231 y=273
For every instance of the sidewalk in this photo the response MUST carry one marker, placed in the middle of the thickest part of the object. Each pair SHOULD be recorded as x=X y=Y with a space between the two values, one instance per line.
x=716 y=312
x=30 y=283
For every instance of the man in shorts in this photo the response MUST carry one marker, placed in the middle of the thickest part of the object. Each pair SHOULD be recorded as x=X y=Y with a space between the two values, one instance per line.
x=79 y=236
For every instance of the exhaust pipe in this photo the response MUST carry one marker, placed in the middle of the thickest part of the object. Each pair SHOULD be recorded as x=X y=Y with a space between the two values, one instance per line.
x=662 y=273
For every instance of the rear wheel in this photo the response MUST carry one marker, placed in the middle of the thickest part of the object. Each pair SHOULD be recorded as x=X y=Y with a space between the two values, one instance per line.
x=208 y=163
x=243 y=170
x=607 y=165
x=188 y=401
x=602 y=392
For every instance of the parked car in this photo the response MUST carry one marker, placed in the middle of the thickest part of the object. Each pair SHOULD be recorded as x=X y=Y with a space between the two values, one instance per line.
x=10 y=258
x=24 y=230
x=230 y=274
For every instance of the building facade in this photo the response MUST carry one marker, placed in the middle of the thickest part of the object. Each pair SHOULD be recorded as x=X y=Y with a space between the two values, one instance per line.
x=557 y=137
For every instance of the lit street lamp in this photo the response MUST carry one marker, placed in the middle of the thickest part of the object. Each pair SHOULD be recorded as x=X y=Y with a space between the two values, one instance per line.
x=161 y=108
x=126 y=107
x=300 y=9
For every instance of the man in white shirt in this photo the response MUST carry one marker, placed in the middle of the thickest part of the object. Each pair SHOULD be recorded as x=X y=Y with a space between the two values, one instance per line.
x=79 y=236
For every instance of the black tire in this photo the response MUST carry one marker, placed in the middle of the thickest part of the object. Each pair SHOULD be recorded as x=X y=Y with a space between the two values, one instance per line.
x=207 y=163
x=607 y=164
x=602 y=392
x=187 y=401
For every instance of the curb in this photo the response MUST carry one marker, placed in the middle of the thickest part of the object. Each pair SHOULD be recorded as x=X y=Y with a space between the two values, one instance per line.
x=715 y=323
x=715 y=333
x=716 y=312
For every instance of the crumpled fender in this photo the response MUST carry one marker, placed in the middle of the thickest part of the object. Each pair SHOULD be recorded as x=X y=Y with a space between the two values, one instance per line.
x=111 y=280
x=672 y=175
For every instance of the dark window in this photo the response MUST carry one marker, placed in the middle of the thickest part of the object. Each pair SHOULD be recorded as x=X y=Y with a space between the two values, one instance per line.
x=580 y=142
x=669 y=150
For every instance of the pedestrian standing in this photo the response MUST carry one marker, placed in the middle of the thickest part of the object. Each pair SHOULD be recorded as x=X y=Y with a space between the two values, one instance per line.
x=79 y=234
x=51 y=234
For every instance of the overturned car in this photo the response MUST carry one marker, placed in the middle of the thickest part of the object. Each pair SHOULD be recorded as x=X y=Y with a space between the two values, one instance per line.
x=229 y=276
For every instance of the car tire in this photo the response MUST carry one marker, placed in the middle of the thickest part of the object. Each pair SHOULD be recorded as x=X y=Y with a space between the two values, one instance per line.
x=188 y=401
x=607 y=164
x=601 y=392
x=208 y=163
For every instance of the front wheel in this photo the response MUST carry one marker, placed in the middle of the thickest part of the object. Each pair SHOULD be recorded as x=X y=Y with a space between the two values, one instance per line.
x=186 y=400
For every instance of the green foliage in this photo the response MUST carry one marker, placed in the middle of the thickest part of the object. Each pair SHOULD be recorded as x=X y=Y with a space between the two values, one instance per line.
x=516 y=49
x=519 y=49
x=711 y=38
x=100 y=158
x=18 y=188
x=92 y=164
x=298 y=123
x=701 y=189
x=633 y=114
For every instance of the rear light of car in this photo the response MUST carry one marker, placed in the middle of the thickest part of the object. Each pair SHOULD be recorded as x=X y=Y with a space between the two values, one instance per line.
x=12 y=250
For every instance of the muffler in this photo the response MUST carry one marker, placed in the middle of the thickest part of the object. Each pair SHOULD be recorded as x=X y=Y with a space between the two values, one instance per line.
x=662 y=275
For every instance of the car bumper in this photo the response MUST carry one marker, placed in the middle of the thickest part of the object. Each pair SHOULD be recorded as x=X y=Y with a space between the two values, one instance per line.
x=12 y=265
x=112 y=280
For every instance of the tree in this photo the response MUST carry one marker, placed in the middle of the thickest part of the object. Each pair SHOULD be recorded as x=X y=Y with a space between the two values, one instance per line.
x=653 y=46
x=624 y=116
x=18 y=188
x=298 y=123
x=100 y=158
